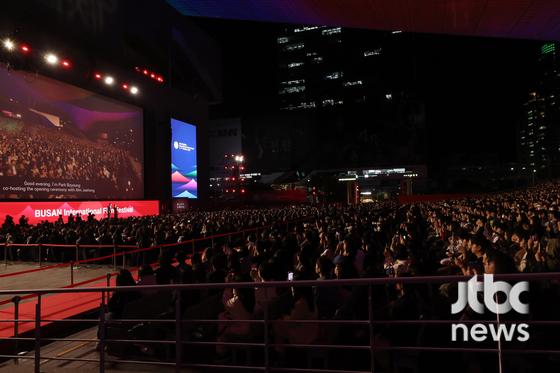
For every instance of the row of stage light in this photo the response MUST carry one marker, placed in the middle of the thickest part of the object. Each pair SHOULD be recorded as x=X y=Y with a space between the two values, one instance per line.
x=54 y=60
x=49 y=58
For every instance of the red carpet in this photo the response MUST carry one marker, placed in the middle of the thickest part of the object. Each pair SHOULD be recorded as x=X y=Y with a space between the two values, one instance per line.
x=56 y=306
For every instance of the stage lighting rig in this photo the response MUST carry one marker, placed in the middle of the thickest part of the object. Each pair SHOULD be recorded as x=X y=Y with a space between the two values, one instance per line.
x=51 y=59
x=150 y=74
x=109 y=80
x=9 y=44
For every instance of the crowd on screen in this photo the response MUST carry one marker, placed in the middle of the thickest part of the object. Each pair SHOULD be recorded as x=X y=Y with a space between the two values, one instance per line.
x=500 y=233
x=37 y=153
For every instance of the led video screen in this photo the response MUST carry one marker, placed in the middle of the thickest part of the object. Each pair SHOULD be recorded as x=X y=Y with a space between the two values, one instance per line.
x=183 y=160
x=59 y=141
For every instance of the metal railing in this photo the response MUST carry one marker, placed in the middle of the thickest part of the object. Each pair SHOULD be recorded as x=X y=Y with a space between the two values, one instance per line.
x=176 y=324
x=194 y=245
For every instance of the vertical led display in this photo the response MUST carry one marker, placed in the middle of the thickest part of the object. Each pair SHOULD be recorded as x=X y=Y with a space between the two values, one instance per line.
x=183 y=160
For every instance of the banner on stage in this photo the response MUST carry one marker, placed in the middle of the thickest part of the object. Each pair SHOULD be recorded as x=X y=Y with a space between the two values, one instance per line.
x=36 y=212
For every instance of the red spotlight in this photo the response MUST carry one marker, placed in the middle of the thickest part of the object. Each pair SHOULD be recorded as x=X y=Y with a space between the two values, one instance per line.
x=152 y=75
x=227 y=190
x=233 y=191
x=124 y=86
x=97 y=76
x=242 y=190
x=160 y=79
x=24 y=48
x=145 y=72
x=66 y=64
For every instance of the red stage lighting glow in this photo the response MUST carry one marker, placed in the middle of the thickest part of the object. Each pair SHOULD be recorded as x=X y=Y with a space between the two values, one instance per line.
x=24 y=48
x=97 y=76
x=149 y=73
x=66 y=64
x=125 y=86
x=242 y=190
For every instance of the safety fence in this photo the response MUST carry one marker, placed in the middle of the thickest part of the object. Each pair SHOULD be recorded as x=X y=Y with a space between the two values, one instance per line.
x=124 y=252
x=181 y=350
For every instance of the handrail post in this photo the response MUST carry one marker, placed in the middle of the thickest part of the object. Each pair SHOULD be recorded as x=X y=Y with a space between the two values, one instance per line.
x=123 y=258
x=102 y=338
x=40 y=254
x=6 y=254
x=16 y=301
x=500 y=361
x=77 y=255
x=115 y=257
x=178 y=338
x=370 y=325
x=37 y=364
x=71 y=273
x=266 y=342
x=108 y=278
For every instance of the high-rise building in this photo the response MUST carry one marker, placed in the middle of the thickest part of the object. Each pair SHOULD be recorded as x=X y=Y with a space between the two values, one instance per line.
x=356 y=93
x=322 y=66
x=539 y=136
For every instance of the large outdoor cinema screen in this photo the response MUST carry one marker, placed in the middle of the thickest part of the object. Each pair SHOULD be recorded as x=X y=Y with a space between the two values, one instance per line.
x=61 y=141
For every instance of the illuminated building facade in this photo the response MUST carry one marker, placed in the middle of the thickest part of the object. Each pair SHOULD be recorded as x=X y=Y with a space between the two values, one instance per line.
x=539 y=136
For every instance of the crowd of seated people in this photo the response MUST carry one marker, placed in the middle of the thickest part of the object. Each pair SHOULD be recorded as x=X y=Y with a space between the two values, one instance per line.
x=501 y=233
x=498 y=233
x=142 y=232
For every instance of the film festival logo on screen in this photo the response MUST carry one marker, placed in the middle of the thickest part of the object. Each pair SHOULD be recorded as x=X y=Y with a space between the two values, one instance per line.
x=491 y=291
x=181 y=145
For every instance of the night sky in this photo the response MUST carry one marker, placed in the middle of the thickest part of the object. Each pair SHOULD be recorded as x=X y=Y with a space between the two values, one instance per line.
x=474 y=88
